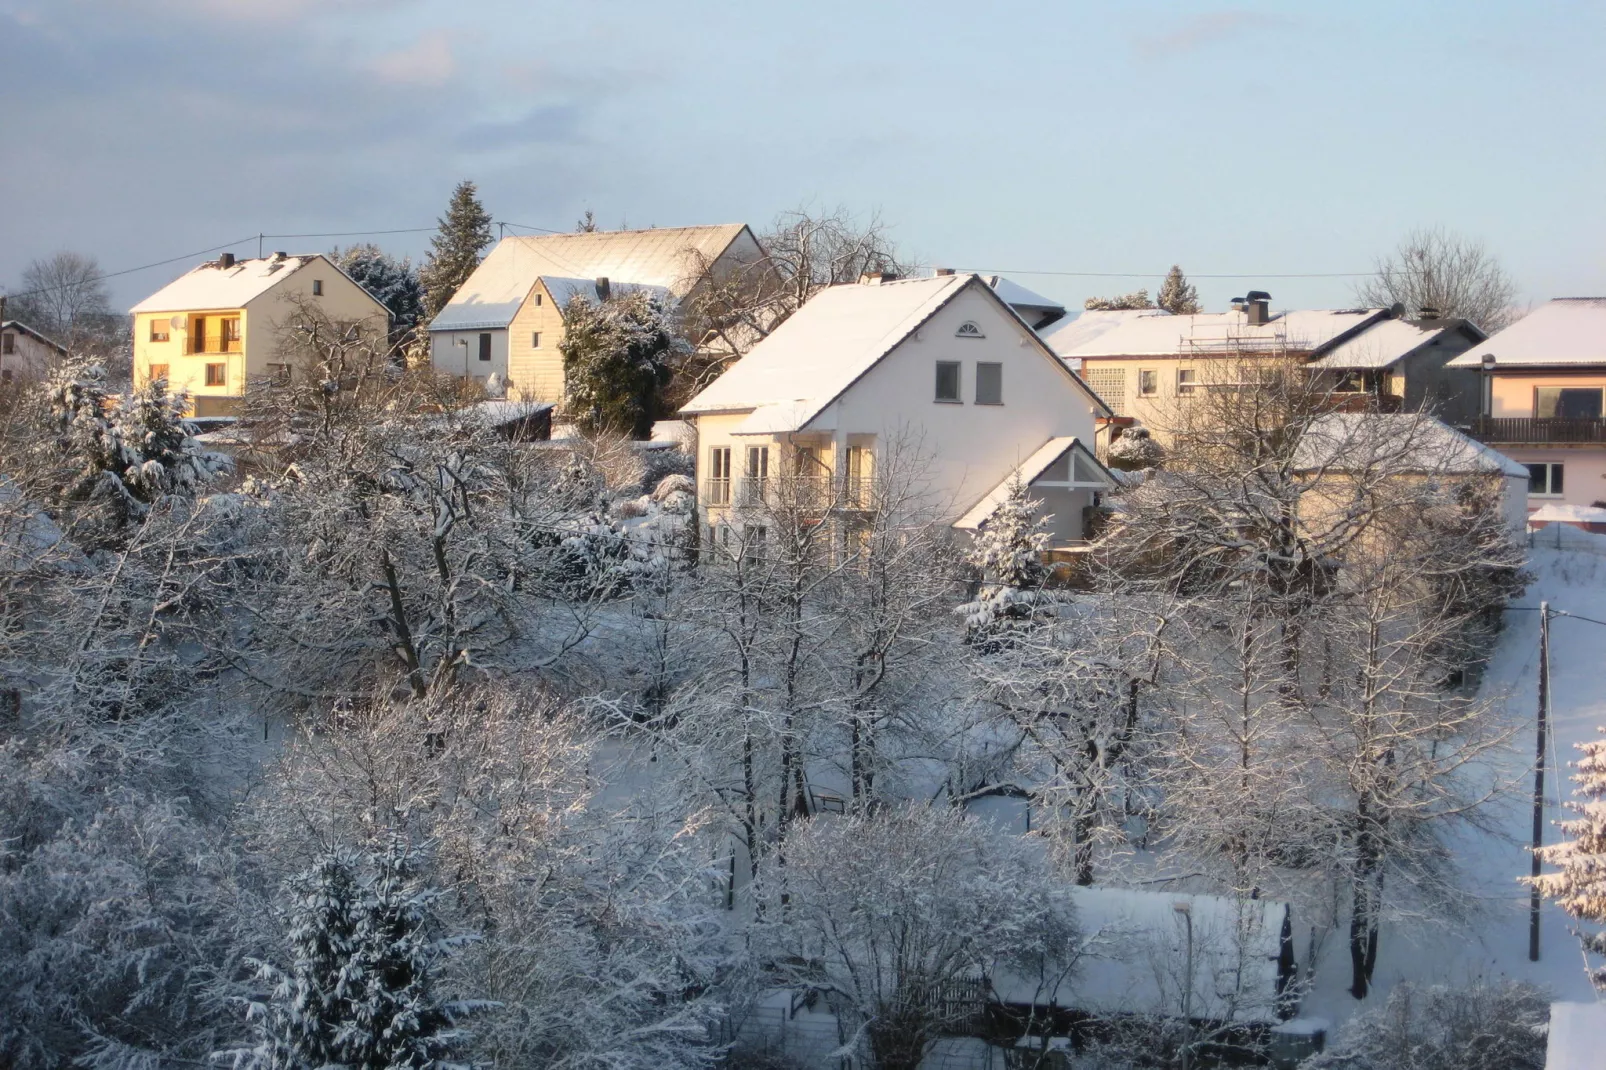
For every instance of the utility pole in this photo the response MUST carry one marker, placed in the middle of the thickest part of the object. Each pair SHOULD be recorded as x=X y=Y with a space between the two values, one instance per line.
x=259 y=245
x=1539 y=777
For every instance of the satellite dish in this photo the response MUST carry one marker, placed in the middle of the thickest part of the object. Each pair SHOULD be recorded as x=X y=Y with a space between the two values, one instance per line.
x=177 y=323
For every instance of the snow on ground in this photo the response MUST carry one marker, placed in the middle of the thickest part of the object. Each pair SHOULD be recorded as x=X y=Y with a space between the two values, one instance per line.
x=1494 y=945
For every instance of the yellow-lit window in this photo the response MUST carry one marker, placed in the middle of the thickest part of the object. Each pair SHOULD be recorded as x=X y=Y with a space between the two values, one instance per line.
x=158 y=330
x=158 y=371
x=217 y=375
x=231 y=334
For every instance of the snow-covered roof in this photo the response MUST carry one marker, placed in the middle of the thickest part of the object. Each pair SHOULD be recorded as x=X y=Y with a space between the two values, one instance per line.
x=211 y=285
x=18 y=325
x=814 y=355
x=1577 y=1032
x=1564 y=330
x=563 y=290
x=1017 y=296
x=1029 y=470
x=1382 y=344
x=1068 y=334
x=1338 y=440
x=1562 y=513
x=1137 y=956
x=666 y=258
x=1220 y=333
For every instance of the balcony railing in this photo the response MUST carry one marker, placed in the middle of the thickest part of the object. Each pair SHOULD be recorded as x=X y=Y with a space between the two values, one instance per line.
x=1510 y=429
x=716 y=491
x=810 y=492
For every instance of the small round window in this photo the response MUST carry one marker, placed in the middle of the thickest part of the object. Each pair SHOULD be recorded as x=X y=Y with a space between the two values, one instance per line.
x=968 y=329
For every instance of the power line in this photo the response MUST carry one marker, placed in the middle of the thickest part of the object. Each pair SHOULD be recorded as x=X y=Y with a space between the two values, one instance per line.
x=526 y=226
x=1161 y=274
x=353 y=233
x=142 y=267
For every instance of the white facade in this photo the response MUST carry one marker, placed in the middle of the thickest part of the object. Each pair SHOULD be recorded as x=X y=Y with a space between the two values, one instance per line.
x=459 y=352
x=25 y=353
x=853 y=378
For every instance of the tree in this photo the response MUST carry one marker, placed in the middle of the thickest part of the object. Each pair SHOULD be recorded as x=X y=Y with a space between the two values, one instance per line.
x=62 y=296
x=393 y=283
x=890 y=914
x=587 y=223
x=1177 y=295
x=1121 y=302
x=359 y=991
x=454 y=251
x=1491 y=1026
x=1007 y=553
x=1435 y=269
x=1580 y=887
x=617 y=359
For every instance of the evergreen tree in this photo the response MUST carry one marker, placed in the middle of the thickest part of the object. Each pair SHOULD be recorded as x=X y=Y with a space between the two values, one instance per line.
x=454 y=252
x=393 y=283
x=1121 y=302
x=1580 y=887
x=1008 y=553
x=359 y=989
x=1177 y=295
x=617 y=358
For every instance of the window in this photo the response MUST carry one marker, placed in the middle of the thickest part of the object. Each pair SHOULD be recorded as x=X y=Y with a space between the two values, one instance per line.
x=1567 y=403
x=968 y=329
x=989 y=383
x=159 y=328
x=1544 y=479
x=198 y=335
x=217 y=375
x=8 y=344
x=758 y=462
x=231 y=334
x=485 y=347
x=859 y=475
x=947 y=380
x=537 y=301
x=1148 y=383
x=718 y=490
x=535 y=338
x=279 y=373
x=1187 y=381
x=317 y=287
x=158 y=371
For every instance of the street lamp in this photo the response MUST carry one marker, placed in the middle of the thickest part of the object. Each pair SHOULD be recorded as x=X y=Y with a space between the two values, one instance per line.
x=1488 y=384
x=1185 y=908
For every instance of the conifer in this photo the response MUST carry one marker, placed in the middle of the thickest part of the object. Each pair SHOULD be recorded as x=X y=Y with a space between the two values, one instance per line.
x=1178 y=296
x=1580 y=886
x=454 y=252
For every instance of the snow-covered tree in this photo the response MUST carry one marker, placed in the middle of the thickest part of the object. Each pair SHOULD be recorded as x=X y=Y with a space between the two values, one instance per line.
x=1135 y=450
x=393 y=283
x=1177 y=295
x=1007 y=553
x=1119 y=303
x=454 y=251
x=1444 y=1028
x=1579 y=887
x=888 y=914
x=359 y=989
x=617 y=359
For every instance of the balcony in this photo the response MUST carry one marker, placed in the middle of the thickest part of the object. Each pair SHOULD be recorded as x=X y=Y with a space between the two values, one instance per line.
x=1525 y=430
x=806 y=494
x=716 y=492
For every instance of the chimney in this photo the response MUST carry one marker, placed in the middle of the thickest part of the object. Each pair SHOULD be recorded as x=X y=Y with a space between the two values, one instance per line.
x=280 y=257
x=876 y=278
x=604 y=290
x=1257 y=307
x=226 y=261
x=1427 y=312
x=944 y=271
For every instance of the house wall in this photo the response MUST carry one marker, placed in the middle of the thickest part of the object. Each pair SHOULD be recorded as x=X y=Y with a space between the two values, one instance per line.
x=262 y=320
x=536 y=372
x=449 y=358
x=1583 y=472
x=1511 y=394
x=29 y=358
x=1451 y=394
x=964 y=449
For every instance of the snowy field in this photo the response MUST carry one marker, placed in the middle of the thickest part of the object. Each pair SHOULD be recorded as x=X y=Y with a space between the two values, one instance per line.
x=1494 y=944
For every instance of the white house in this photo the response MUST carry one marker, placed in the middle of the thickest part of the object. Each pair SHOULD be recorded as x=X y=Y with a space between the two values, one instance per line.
x=25 y=353
x=940 y=367
x=507 y=317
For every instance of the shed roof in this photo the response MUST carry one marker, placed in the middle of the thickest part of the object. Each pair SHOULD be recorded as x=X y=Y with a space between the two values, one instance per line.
x=1029 y=470
x=667 y=257
x=1221 y=333
x=211 y=285
x=1563 y=330
x=1341 y=440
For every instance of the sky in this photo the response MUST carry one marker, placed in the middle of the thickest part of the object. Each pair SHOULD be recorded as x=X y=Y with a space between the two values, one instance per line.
x=1046 y=141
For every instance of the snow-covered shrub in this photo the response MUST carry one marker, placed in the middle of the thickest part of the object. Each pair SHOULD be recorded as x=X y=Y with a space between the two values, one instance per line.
x=1489 y=1026
x=1135 y=450
x=1580 y=886
x=495 y=386
x=1008 y=554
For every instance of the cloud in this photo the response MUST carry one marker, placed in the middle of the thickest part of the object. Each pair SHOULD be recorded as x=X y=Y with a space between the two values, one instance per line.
x=429 y=62
x=1207 y=29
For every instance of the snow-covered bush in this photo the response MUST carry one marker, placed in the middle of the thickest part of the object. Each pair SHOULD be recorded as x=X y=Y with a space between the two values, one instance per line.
x=1489 y=1026
x=1135 y=450
x=1007 y=553
x=1580 y=886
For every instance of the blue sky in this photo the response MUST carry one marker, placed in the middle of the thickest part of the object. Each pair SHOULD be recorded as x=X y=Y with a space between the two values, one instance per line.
x=1069 y=137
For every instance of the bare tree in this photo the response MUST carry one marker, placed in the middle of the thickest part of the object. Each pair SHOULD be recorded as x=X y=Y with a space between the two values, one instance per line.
x=62 y=294
x=1435 y=269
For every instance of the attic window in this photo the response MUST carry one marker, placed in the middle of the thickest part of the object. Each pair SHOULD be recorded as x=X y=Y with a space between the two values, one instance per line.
x=537 y=301
x=968 y=329
x=317 y=287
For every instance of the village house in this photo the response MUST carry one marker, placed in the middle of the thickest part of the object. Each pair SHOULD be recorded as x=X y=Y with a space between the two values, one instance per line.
x=1145 y=363
x=1543 y=377
x=25 y=353
x=221 y=325
x=507 y=317
x=941 y=368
